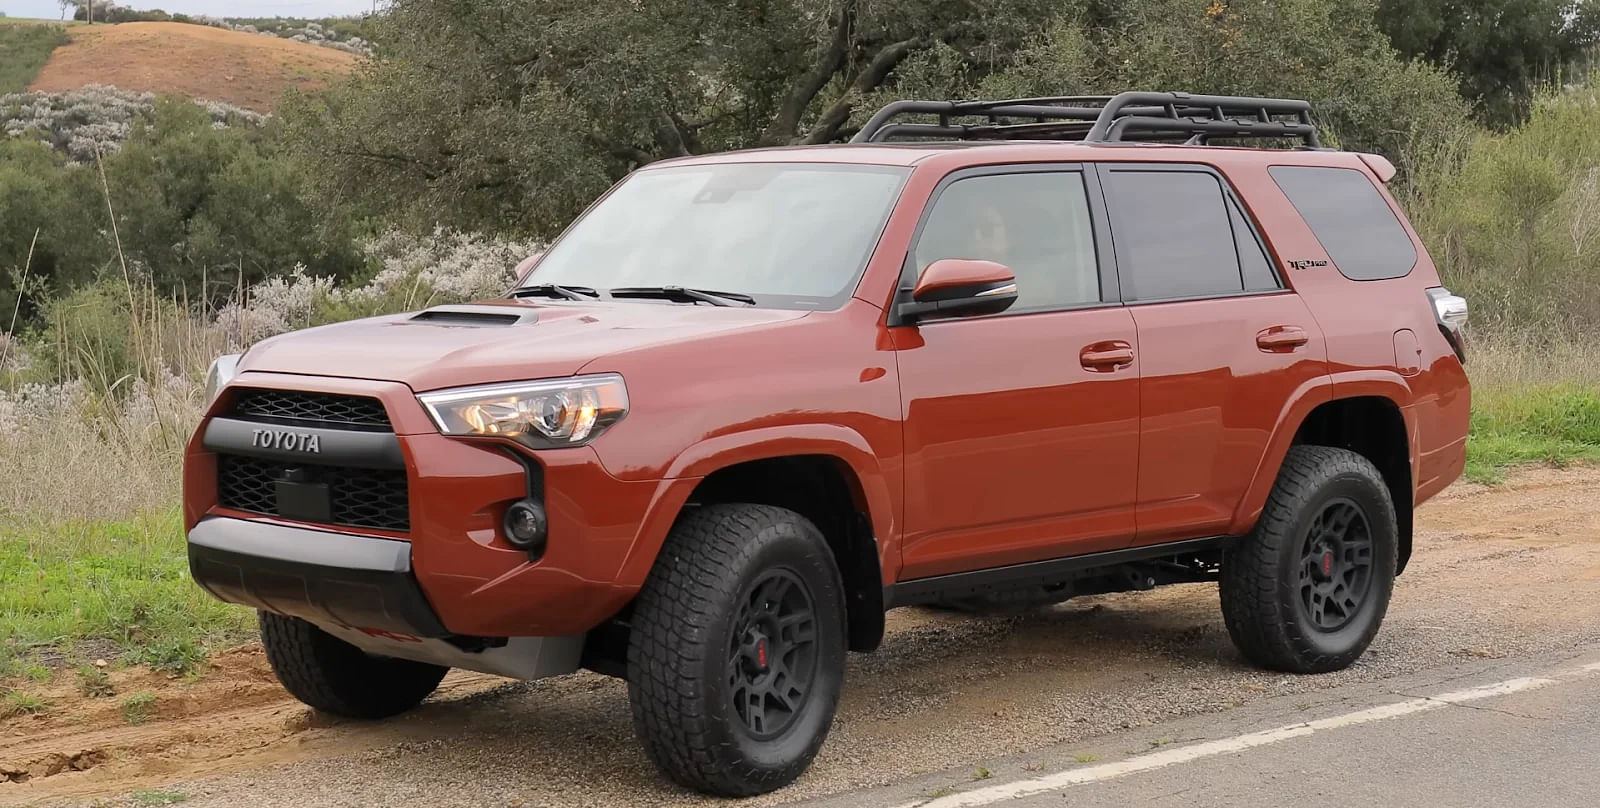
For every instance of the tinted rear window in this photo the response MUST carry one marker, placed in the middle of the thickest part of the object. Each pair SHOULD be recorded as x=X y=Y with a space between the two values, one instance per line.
x=1350 y=218
x=1173 y=236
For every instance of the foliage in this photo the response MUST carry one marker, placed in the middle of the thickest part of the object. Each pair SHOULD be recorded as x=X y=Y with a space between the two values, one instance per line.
x=96 y=118
x=107 y=11
x=494 y=115
x=23 y=50
x=18 y=703
x=340 y=33
x=1502 y=50
x=137 y=707
x=1513 y=222
x=200 y=211
x=158 y=797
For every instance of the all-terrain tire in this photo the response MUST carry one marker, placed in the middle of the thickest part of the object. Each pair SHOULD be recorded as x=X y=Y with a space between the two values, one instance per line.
x=1271 y=579
x=692 y=675
x=336 y=677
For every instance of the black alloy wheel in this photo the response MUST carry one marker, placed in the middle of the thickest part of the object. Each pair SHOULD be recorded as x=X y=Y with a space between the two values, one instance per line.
x=1335 y=566
x=773 y=659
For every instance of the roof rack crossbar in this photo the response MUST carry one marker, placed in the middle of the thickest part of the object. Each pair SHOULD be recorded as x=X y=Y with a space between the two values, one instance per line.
x=1135 y=116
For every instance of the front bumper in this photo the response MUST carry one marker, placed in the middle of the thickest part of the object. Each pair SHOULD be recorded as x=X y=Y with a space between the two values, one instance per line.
x=319 y=576
x=461 y=577
x=358 y=589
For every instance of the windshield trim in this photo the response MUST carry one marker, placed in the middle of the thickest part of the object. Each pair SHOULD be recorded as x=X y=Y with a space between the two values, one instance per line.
x=763 y=301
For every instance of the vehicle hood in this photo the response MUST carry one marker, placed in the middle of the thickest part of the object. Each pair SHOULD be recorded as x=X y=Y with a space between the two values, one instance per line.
x=495 y=341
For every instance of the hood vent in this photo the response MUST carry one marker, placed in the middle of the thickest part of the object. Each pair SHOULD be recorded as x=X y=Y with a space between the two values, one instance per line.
x=476 y=316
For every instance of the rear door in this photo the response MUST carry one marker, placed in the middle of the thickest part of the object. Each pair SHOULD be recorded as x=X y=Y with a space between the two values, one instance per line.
x=1021 y=428
x=1223 y=345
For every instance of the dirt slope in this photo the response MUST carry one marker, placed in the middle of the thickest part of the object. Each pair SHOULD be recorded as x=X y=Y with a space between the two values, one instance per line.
x=1503 y=572
x=249 y=70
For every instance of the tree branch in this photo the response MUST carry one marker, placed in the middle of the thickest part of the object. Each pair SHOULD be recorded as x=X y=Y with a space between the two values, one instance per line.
x=787 y=122
x=876 y=71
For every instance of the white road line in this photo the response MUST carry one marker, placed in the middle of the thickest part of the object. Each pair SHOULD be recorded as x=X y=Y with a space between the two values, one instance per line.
x=1239 y=743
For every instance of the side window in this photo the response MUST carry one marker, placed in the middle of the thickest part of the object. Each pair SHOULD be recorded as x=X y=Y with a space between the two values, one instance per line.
x=1354 y=224
x=1253 y=261
x=1173 y=235
x=1037 y=224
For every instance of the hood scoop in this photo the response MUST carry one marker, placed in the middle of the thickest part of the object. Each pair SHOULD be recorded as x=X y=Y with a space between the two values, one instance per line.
x=475 y=316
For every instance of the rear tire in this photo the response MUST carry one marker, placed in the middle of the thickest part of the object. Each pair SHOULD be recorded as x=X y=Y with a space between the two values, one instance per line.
x=336 y=677
x=736 y=654
x=1306 y=591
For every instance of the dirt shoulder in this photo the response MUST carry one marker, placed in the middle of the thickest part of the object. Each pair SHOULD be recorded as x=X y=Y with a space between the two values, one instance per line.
x=1511 y=571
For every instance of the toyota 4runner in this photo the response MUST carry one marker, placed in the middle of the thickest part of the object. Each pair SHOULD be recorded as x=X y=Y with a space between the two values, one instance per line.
x=1036 y=349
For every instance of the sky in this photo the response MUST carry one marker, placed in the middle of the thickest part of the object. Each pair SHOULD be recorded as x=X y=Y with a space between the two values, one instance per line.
x=51 y=10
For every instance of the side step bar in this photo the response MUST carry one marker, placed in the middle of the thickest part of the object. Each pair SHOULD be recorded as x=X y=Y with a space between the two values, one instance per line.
x=1053 y=571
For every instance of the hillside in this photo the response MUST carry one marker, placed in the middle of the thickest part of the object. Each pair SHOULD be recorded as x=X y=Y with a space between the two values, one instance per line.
x=197 y=61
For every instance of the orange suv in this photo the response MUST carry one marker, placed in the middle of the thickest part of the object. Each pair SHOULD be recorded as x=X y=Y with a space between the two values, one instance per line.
x=748 y=402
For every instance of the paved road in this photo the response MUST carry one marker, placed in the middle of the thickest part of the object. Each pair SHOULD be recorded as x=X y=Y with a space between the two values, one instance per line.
x=1523 y=735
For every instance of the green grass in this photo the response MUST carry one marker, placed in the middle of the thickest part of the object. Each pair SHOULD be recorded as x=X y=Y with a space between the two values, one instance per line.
x=23 y=50
x=94 y=683
x=124 y=583
x=157 y=797
x=1555 y=423
x=17 y=703
x=137 y=708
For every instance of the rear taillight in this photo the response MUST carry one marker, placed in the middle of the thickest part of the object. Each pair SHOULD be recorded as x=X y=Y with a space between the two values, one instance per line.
x=1450 y=310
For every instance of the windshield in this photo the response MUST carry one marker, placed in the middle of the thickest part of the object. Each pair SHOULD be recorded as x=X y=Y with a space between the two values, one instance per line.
x=788 y=234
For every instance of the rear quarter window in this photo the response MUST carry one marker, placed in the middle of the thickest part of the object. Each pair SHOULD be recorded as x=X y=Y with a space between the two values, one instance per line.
x=1351 y=219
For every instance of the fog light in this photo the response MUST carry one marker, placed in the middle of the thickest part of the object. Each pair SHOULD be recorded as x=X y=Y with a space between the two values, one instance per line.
x=526 y=525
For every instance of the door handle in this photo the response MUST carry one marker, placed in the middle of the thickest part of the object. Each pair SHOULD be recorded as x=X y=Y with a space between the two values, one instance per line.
x=1282 y=338
x=1105 y=357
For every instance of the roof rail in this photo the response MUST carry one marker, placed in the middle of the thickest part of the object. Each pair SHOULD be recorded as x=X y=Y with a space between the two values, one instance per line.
x=1159 y=117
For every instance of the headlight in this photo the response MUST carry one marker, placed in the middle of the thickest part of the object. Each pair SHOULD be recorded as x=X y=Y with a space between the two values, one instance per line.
x=541 y=415
x=222 y=371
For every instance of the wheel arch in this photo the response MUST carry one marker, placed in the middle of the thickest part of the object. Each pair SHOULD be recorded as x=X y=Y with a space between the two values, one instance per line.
x=826 y=473
x=1369 y=416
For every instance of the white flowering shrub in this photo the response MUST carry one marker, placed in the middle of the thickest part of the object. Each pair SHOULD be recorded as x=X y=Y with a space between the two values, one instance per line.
x=445 y=266
x=79 y=121
x=274 y=306
x=310 y=32
x=449 y=265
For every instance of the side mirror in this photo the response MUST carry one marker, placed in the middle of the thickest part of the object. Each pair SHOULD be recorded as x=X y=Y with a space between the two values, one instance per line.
x=961 y=287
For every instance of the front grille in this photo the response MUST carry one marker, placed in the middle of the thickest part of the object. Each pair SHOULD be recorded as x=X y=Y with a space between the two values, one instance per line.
x=372 y=498
x=336 y=411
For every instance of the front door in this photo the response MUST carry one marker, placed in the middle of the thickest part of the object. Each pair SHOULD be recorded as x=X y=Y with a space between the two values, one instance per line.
x=1021 y=428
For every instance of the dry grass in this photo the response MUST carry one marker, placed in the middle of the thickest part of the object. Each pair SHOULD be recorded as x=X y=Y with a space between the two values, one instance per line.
x=194 y=61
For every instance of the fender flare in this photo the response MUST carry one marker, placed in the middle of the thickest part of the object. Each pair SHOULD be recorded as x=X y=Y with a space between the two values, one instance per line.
x=1374 y=383
x=713 y=454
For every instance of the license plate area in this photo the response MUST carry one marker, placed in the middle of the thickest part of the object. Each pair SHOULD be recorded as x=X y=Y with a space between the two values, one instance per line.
x=301 y=498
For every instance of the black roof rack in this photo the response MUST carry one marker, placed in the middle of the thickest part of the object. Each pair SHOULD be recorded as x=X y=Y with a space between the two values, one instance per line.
x=1129 y=117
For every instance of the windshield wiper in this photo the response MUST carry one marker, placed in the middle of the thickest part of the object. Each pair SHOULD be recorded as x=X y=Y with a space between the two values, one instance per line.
x=683 y=293
x=556 y=290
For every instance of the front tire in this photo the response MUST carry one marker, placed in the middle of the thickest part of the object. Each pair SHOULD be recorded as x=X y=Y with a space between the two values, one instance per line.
x=737 y=649
x=1306 y=591
x=336 y=677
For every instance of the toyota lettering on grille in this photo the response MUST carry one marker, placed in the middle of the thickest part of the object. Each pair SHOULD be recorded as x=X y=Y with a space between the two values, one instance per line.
x=284 y=439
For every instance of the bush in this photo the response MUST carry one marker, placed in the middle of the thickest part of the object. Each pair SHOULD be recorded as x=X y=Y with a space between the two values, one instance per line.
x=1513 y=221
x=202 y=207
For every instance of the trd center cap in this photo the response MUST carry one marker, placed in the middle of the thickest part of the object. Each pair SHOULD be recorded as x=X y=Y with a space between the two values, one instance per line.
x=757 y=648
